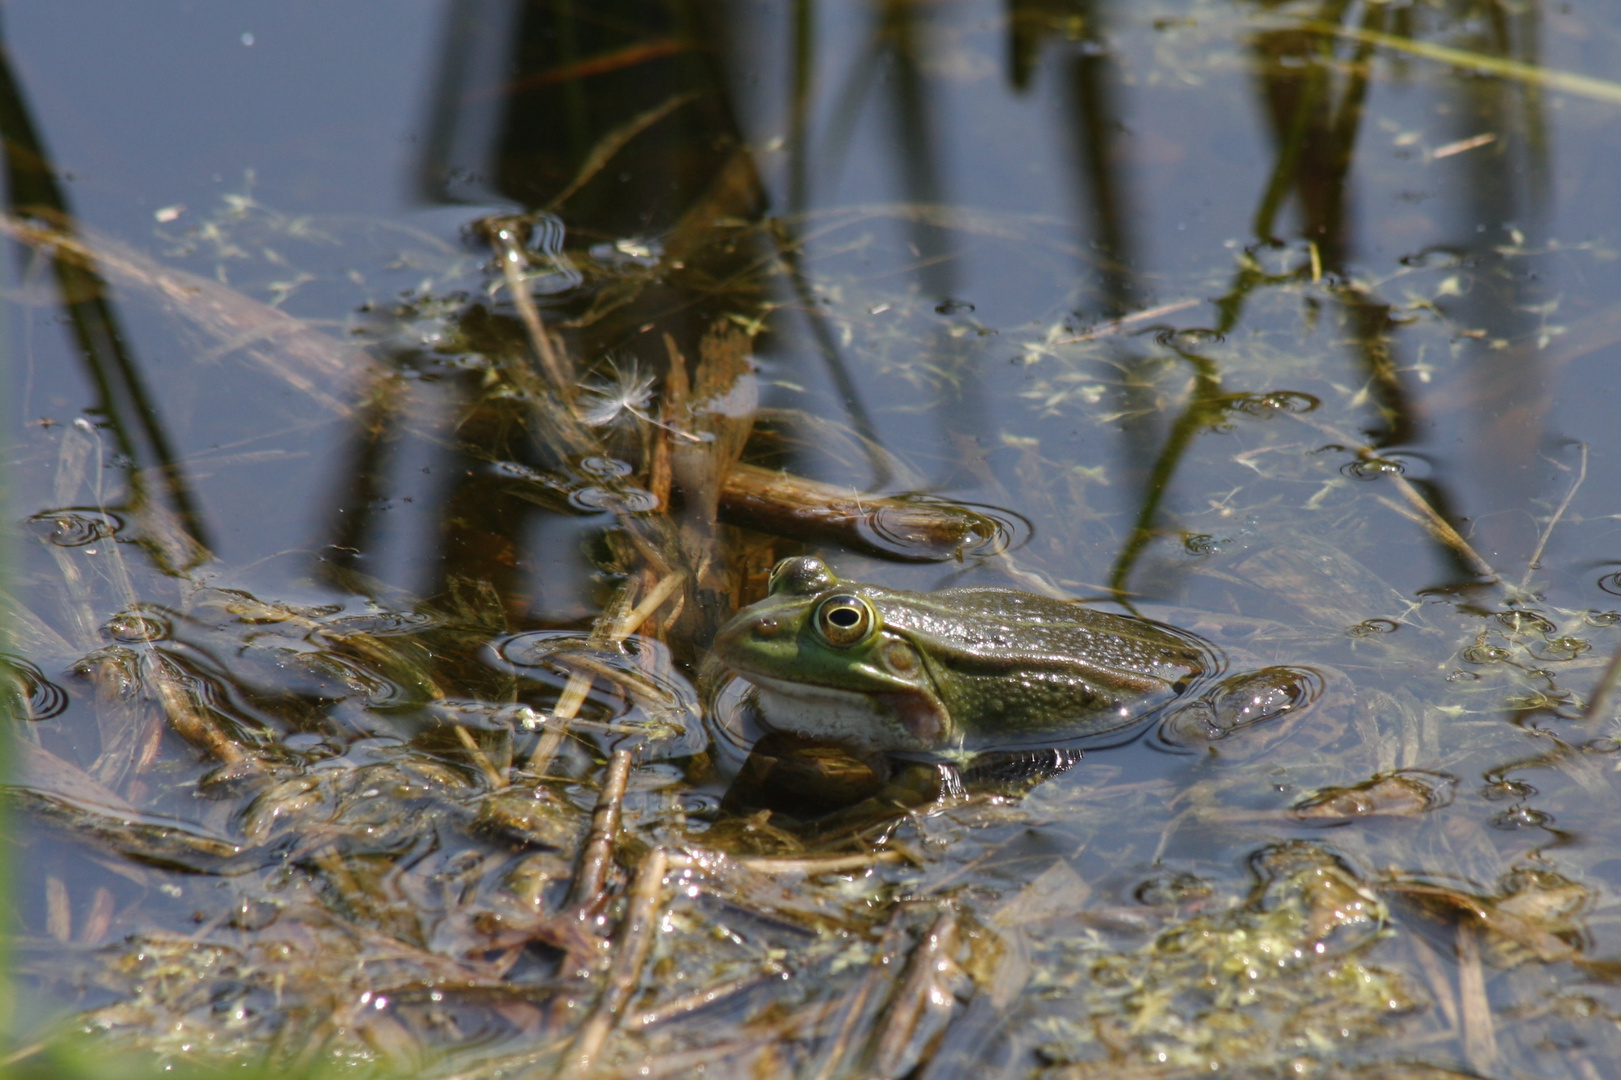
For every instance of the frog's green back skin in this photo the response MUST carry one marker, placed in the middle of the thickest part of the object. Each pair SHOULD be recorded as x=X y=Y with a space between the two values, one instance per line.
x=958 y=667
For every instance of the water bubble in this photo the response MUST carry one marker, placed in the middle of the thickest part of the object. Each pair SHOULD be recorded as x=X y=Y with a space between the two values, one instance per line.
x=1525 y=622
x=1370 y=627
x=1563 y=648
x=1275 y=403
x=1372 y=468
x=1168 y=890
x=1611 y=583
x=1521 y=817
x=621 y=499
x=378 y=691
x=1603 y=618
x=1499 y=789
x=1484 y=654
x=383 y=623
x=76 y=528
x=1403 y=793
x=635 y=684
x=29 y=694
x=1189 y=338
x=604 y=468
x=134 y=627
x=953 y=307
x=1199 y=544
x=698 y=804
x=901 y=533
x=1241 y=701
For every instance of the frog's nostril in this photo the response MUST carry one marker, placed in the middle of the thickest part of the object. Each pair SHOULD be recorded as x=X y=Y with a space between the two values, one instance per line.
x=766 y=627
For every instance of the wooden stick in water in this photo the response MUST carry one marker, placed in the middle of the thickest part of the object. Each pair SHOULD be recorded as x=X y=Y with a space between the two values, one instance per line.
x=788 y=505
x=597 y=856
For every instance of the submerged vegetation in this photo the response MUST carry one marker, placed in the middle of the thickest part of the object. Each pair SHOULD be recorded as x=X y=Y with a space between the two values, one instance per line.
x=448 y=784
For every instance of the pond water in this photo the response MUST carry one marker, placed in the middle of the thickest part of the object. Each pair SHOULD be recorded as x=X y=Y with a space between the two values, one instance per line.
x=400 y=397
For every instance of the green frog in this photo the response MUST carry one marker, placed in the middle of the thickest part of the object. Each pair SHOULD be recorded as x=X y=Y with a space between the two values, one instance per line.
x=885 y=671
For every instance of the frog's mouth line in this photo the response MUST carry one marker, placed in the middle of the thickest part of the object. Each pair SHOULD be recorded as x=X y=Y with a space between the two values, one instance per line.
x=917 y=710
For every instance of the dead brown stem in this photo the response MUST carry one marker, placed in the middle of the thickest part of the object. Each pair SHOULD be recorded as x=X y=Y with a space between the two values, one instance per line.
x=191 y=723
x=701 y=999
x=496 y=778
x=841 y=864
x=856 y=1003
x=635 y=940
x=1599 y=699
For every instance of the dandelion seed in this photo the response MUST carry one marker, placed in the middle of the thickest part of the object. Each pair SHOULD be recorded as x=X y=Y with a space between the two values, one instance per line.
x=628 y=392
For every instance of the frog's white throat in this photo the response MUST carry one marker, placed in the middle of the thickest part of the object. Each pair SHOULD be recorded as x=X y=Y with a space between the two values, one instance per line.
x=863 y=722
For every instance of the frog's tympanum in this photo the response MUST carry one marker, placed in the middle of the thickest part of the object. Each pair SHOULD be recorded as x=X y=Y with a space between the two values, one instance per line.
x=881 y=670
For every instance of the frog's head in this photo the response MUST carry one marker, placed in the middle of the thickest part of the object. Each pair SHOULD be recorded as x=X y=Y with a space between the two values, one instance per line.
x=827 y=667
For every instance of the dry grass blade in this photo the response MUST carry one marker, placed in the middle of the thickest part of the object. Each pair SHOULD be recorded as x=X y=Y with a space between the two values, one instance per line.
x=1531 y=74
x=1479 y=1033
x=1120 y=325
x=1564 y=504
x=634 y=942
x=289 y=348
x=841 y=864
x=58 y=911
x=1599 y=699
x=615 y=141
x=613 y=628
x=918 y=992
x=511 y=254
x=1437 y=525
x=597 y=856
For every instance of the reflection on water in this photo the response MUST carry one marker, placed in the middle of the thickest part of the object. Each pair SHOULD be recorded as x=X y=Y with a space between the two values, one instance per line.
x=366 y=568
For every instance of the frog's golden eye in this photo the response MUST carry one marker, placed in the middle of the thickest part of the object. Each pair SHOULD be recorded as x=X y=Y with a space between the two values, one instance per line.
x=844 y=620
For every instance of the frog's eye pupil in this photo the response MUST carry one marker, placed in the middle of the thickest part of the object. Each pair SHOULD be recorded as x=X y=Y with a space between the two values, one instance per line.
x=845 y=620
